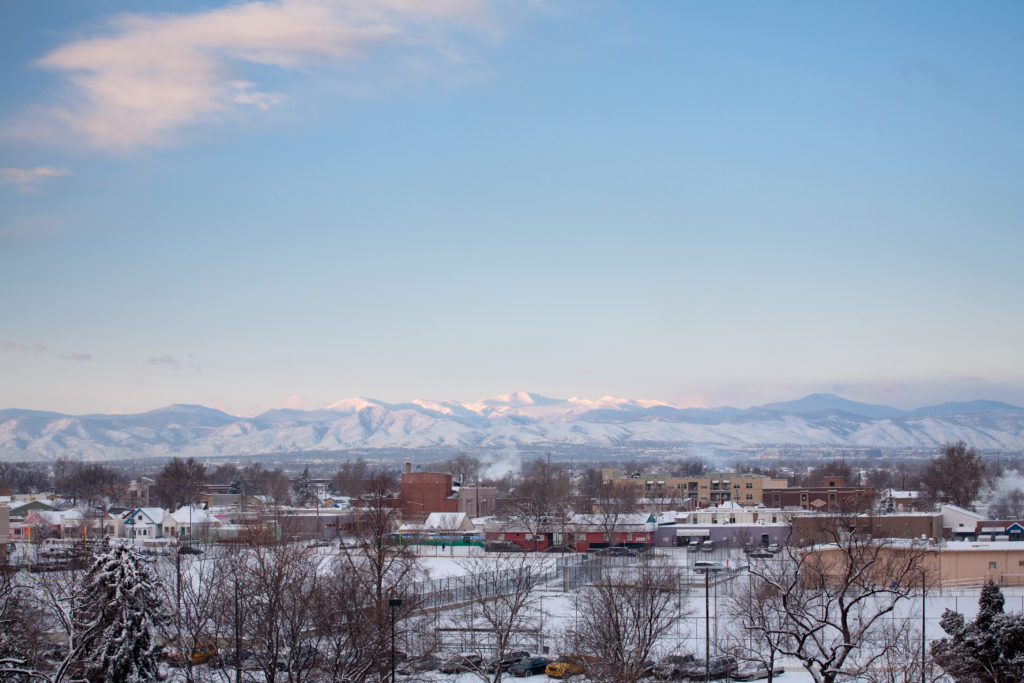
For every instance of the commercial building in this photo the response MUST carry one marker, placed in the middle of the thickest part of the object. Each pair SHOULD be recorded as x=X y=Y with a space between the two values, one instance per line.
x=709 y=489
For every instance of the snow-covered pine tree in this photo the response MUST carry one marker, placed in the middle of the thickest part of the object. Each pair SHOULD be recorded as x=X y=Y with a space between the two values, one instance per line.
x=989 y=649
x=117 y=618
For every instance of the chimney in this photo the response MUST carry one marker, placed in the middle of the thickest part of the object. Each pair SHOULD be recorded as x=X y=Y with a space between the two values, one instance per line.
x=408 y=468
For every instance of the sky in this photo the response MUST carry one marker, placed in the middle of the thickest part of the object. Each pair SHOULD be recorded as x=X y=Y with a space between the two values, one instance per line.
x=251 y=205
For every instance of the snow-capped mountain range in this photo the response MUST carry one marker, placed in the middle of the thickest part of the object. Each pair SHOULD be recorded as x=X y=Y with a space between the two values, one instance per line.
x=503 y=421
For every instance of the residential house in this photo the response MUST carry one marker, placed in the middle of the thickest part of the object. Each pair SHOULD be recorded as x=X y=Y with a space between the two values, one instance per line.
x=145 y=523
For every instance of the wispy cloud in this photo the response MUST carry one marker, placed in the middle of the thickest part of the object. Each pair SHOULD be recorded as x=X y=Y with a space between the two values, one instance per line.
x=15 y=347
x=150 y=75
x=77 y=357
x=172 y=362
x=28 y=179
x=165 y=362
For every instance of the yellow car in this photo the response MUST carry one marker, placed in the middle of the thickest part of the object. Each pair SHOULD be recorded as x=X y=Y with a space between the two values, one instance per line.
x=202 y=654
x=565 y=666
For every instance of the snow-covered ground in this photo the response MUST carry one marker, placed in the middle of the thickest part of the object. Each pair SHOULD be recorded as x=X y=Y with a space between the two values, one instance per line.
x=687 y=634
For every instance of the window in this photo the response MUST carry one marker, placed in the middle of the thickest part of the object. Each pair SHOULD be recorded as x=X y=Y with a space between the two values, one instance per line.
x=992 y=565
x=732 y=520
x=750 y=485
x=750 y=496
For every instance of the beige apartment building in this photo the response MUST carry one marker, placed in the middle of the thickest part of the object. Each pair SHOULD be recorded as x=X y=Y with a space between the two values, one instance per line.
x=710 y=489
x=957 y=563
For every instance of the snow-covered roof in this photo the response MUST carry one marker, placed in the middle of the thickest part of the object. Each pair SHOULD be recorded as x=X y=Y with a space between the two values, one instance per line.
x=156 y=515
x=724 y=506
x=446 y=521
x=55 y=517
x=962 y=511
x=192 y=515
x=631 y=519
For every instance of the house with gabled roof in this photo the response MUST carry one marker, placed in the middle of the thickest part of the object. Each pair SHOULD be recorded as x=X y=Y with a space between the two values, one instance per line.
x=145 y=523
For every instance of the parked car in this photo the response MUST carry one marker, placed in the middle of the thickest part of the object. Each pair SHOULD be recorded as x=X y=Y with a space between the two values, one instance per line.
x=618 y=551
x=417 y=665
x=707 y=547
x=671 y=667
x=230 y=661
x=201 y=654
x=694 y=546
x=190 y=550
x=566 y=665
x=756 y=671
x=773 y=548
x=529 y=666
x=702 y=566
x=502 y=547
x=461 y=663
x=507 y=661
x=720 y=667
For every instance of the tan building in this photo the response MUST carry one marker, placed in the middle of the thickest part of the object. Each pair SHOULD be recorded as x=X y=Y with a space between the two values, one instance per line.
x=710 y=489
x=957 y=563
x=5 y=532
x=810 y=528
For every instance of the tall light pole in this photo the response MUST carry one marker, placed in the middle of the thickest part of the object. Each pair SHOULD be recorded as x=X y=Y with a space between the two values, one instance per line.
x=923 y=639
x=707 y=626
x=393 y=603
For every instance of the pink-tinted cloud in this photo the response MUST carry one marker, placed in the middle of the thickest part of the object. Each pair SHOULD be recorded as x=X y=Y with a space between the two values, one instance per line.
x=150 y=75
x=294 y=402
x=28 y=179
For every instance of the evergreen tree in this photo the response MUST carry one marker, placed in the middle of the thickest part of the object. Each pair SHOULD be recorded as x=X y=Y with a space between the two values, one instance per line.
x=116 y=620
x=989 y=649
x=304 y=493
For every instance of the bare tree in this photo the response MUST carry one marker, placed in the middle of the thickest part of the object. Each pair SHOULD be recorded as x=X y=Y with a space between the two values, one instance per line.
x=193 y=587
x=756 y=627
x=178 y=482
x=540 y=498
x=465 y=468
x=624 y=616
x=505 y=608
x=374 y=572
x=611 y=505
x=954 y=477
x=22 y=639
x=834 y=598
x=280 y=606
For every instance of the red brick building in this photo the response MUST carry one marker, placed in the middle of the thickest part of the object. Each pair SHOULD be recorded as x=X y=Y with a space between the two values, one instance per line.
x=426 y=492
x=832 y=496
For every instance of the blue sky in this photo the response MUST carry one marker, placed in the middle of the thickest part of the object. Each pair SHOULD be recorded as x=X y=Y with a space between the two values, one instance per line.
x=253 y=205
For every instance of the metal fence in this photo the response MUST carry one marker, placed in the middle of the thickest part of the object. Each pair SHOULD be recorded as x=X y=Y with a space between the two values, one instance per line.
x=456 y=590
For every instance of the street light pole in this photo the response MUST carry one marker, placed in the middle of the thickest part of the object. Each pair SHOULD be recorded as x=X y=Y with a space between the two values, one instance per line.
x=923 y=639
x=707 y=626
x=393 y=603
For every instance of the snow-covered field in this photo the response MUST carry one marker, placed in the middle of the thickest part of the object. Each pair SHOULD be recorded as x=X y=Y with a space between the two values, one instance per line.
x=687 y=634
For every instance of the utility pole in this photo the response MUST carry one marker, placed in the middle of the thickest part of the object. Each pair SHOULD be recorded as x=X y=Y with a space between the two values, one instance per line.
x=923 y=639
x=238 y=638
x=707 y=626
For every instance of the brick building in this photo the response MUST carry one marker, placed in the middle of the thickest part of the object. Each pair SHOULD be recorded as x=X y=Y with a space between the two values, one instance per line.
x=832 y=496
x=426 y=492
